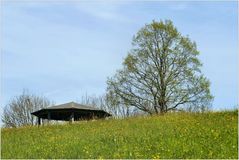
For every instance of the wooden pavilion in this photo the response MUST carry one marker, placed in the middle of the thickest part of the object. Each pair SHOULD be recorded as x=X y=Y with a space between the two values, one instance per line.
x=70 y=112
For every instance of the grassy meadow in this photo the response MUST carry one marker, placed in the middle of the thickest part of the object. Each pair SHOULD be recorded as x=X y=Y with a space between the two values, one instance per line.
x=174 y=135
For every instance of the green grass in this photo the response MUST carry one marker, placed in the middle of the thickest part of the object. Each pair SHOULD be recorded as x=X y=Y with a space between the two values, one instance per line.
x=174 y=135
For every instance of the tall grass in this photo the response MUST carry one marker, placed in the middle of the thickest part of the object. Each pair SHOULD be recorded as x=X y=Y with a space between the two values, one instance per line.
x=174 y=135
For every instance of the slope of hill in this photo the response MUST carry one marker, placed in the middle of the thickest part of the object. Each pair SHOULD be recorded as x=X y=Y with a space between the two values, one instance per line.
x=174 y=135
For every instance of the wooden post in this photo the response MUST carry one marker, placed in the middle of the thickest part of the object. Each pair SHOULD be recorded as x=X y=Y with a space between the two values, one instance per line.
x=48 y=116
x=72 y=117
x=39 y=121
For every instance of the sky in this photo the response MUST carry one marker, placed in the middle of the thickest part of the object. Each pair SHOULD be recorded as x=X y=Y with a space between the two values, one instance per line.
x=65 y=49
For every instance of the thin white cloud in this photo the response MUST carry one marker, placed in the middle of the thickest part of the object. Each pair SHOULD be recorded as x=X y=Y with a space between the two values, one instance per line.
x=103 y=10
x=178 y=6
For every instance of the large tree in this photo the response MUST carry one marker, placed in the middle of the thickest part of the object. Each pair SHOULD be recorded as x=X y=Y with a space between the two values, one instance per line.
x=161 y=72
x=18 y=111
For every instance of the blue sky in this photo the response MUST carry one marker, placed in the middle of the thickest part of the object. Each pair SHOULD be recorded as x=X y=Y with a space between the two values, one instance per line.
x=62 y=50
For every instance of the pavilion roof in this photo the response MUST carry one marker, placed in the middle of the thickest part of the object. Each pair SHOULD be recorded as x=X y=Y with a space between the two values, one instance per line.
x=63 y=111
x=73 y=105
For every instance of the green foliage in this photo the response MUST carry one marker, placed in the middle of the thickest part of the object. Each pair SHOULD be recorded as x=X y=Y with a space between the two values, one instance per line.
x=175 y=135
